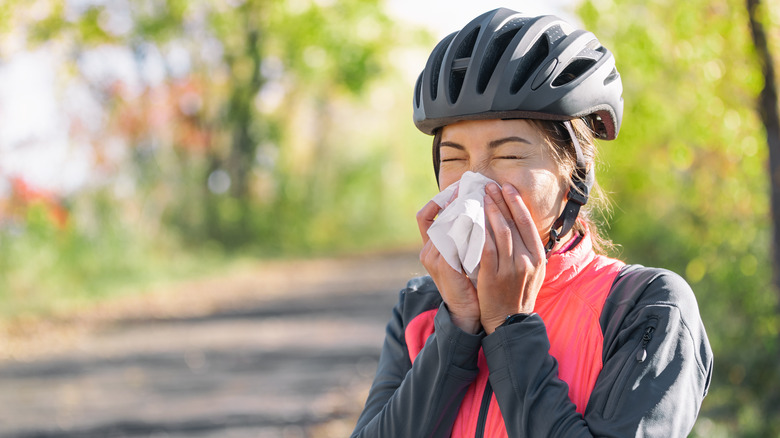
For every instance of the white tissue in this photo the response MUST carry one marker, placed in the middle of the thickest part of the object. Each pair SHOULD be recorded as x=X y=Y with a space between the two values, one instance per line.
x=459 y=230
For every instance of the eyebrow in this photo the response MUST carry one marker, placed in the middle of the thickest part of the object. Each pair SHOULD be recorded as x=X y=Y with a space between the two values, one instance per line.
x=492 y=145
x=496 y=143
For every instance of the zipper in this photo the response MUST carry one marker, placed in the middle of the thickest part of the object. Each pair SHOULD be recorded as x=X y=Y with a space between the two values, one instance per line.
x=483 y=410
x=641 y=355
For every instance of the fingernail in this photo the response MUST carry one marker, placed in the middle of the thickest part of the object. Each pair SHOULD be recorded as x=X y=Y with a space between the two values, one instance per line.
x=510 y=189
x=493 y=188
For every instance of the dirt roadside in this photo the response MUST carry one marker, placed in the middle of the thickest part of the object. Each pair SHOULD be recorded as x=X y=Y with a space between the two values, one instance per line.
x=273 y=349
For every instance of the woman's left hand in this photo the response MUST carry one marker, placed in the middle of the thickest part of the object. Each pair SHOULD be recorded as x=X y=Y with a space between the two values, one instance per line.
x=513 y=259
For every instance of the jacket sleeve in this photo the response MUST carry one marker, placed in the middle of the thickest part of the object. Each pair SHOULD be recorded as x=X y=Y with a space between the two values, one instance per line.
x=657 y=366
x=420 y=399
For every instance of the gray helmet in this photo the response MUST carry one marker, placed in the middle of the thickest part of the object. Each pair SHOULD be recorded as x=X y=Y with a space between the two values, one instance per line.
x=507 y=65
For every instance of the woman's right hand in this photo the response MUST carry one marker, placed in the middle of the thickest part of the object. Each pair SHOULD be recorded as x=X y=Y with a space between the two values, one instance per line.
x=455 y=287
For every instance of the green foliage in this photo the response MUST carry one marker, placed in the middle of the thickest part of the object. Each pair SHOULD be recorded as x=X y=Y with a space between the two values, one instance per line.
x=689 y=180
x=298 y=171
x=322 y=168
x=6 y=15
x=46 y=267
x=161 y=21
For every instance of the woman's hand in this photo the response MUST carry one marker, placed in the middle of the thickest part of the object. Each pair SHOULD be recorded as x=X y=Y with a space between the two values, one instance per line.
x=513 y=260
x=455 y=287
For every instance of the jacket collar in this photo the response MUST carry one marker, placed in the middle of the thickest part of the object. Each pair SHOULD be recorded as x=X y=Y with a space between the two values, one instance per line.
x=563 y=267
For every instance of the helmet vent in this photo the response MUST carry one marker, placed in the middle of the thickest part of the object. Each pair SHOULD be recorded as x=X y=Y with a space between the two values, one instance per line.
x=467 y=46
x=438 y=58
x=612 y=76
x=529 y=63
x=495 y=49
x=460 y=64
x=573 y=71
x=456 y=84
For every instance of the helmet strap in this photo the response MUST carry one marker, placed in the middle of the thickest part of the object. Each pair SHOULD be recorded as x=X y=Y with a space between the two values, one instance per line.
x=436 y=153
x=578 y=195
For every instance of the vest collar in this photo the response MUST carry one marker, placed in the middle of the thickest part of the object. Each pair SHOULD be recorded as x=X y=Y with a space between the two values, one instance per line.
x=563 y=267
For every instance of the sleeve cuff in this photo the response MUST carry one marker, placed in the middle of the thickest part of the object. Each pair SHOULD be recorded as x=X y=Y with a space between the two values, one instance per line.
x=462 y=348
x=514 y=340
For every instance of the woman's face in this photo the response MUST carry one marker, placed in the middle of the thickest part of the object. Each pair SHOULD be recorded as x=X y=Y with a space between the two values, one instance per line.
x=508 y=152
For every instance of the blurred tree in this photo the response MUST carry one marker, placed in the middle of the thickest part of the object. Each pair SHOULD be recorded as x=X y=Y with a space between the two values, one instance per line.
x=258 y=126
x=767 y=110
x=235 y=139
x=689 y=179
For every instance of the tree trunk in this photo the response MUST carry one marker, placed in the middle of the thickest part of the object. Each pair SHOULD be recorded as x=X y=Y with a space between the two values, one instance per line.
x=244 y=145
x=768 y=112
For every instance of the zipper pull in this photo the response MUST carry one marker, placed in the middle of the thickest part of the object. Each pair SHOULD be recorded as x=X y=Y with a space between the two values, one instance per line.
x=642 y=354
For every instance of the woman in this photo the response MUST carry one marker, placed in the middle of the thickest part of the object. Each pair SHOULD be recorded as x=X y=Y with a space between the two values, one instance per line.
x=551 y=339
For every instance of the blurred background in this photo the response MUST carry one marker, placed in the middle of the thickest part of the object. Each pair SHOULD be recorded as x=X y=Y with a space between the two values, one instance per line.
x=145 y=143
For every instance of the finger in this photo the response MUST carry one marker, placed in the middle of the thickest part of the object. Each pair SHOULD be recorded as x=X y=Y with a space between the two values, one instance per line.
x=429 y=258
x=494 y=191
x=425 y=254
x=425 y=219
x=523 y=220
x=489 y=261
x=501 y=230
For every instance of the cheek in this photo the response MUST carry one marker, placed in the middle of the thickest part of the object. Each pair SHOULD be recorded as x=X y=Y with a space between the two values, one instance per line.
x=542 y=193
x=447 y=177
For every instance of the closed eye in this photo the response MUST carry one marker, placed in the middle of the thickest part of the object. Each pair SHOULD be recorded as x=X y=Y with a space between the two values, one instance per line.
x=510 y=157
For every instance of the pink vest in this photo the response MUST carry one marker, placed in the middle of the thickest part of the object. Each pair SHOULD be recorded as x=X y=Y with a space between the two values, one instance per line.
x=576 y=285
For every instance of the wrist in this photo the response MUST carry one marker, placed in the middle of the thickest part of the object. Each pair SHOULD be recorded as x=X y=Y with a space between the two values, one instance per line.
x=468 y=325
x=514 y=319
x=510 y=319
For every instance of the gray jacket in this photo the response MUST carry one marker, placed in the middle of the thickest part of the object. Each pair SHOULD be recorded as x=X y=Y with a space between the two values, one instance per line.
x=647 y=387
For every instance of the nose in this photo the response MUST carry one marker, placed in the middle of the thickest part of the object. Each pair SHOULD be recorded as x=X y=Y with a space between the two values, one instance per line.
x=483 y=167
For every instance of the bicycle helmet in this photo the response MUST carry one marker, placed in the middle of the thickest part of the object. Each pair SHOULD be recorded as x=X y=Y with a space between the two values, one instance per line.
x=507 y=65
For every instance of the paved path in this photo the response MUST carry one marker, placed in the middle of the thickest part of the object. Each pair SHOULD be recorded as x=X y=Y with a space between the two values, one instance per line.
x=283 y=350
